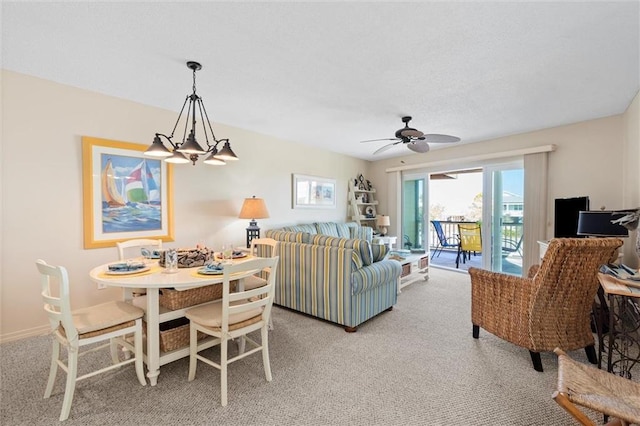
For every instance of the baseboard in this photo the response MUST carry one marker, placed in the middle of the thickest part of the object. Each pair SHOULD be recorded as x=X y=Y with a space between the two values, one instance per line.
x=23 y=334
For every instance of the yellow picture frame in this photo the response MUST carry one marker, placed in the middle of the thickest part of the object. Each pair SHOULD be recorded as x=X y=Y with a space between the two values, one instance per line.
x=125 y=194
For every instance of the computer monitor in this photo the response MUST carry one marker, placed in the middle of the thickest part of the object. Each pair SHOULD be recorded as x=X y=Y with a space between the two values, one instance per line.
x=566 y=214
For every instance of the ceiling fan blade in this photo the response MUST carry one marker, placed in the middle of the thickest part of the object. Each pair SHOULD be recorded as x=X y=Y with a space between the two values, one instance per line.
x=384 y=148
x=377 y=140
x=420 y=147
x=436 y=138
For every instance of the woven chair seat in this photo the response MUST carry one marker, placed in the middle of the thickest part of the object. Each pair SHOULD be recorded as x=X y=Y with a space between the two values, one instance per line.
x=596 y=389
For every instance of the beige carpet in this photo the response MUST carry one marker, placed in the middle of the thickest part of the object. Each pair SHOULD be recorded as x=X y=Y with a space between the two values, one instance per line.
x=415 y=365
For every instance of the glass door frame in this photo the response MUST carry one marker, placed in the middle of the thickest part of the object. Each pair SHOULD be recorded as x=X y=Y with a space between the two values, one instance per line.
x=492 y=224
x=424 y=176
x=488 y=168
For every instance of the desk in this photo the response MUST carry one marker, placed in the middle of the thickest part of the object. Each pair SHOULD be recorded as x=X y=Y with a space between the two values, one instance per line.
x=622 y=338
x=184 y=279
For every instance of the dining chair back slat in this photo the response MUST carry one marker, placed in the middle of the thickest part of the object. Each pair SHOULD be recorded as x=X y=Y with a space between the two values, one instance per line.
x=116 y=322
x=236 y=315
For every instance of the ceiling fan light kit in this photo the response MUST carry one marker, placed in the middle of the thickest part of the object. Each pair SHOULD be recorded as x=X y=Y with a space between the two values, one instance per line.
x=415 y=140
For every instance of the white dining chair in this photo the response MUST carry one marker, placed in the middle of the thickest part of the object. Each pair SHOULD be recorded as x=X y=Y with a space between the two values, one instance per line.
x=111 y=321
x=137 y=243
x=261 y=247
x=236 y=315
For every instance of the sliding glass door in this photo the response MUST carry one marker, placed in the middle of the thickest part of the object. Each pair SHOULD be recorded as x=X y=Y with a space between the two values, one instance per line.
x=503 y=217
x=492 y=195
x=414 y=202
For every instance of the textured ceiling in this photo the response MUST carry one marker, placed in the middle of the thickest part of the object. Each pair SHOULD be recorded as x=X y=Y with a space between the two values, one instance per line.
x=334 y=73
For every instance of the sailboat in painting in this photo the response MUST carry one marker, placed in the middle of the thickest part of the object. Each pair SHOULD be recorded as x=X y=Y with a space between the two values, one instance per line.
x=141 y=187
x=110 y=194
x=131 y=202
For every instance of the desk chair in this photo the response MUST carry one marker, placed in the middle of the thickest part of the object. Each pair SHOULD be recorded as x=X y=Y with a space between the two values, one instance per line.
x=236 y=315
x=111 y=321
x=610 y=394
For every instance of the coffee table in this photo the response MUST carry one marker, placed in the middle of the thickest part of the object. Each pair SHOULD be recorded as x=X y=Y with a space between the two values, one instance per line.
x=412 y=263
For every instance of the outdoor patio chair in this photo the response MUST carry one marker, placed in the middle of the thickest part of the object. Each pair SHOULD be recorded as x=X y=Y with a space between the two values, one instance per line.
x=509 y=245
x=443 y=240
x=470 y=237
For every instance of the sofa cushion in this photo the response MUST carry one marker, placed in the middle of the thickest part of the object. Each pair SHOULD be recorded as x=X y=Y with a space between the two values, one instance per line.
x=361 y=232
x=308 y=227
x=291 y=237
x=378 y=252
x=327 y=228
x=361 y=247
x=343 y=230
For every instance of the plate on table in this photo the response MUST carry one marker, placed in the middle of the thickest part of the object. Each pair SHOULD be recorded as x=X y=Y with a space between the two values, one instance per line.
x=126 y=269
x=235 y=255
x=211 y=270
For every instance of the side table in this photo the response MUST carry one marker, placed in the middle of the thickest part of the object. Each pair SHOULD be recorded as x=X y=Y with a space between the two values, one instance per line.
x=622 y=347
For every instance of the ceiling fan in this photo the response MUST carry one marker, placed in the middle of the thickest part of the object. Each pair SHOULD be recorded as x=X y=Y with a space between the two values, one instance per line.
x=414 y=139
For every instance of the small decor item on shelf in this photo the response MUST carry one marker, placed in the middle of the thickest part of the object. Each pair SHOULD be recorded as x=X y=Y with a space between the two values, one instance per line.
x=364 y=198
x=361 y=183
x=370 y=212
x=368 y=185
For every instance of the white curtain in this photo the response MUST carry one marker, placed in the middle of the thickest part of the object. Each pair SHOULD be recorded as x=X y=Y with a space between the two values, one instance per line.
x=394 y=203
x=535 y=207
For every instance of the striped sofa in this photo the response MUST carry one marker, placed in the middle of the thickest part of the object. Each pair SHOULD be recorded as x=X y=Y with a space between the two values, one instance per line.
x=332 y=271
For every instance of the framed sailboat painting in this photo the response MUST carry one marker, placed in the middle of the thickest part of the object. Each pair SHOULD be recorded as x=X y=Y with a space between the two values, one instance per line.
x=126 y=195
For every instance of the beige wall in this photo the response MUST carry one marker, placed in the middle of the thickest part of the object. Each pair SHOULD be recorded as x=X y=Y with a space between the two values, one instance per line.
x=43 y=123
x=631 y=165
x=41 y=182
x=589 y=160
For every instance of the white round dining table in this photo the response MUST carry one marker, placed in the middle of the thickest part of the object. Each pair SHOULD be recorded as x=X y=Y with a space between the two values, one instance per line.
x=153 y=280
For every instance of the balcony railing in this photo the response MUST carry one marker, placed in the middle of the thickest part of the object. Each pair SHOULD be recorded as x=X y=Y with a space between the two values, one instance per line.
x=511 y=234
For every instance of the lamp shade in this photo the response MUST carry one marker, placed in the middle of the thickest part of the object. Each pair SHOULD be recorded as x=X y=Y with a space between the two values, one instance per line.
x=383 y=221
x=254 y=208
x=598 y=223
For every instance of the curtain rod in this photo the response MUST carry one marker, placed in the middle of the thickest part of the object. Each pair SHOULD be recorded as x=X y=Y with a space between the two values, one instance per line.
x=492 y=156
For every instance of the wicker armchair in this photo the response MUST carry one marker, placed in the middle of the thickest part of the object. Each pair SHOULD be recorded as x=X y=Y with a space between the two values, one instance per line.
x=551 y=307
x=612 y=395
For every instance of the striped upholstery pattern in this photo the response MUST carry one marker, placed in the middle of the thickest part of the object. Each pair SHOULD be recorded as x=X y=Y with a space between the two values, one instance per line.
x=378 y=252
x=362 y=233
x=327 y=228
x=295 y=237
x=343 y=230
x=310 y=228
x=361 y=247
x=327 y=277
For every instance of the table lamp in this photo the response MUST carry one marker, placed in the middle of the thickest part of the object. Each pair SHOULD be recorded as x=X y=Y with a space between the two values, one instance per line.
x=382 y=222
x=253 y=208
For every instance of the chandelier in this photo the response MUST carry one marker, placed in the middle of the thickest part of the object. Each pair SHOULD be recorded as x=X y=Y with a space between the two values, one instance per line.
x=189 y=149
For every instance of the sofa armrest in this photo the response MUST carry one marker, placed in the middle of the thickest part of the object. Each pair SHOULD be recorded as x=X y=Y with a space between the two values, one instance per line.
x=373 y=275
